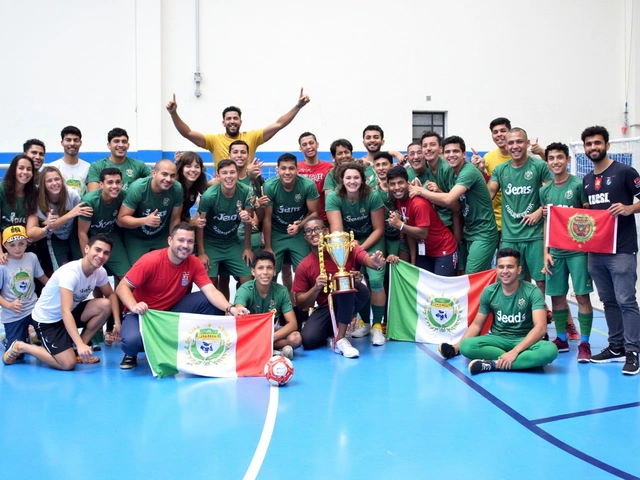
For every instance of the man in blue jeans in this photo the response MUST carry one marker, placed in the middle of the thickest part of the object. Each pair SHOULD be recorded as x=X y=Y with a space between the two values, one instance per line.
x=612 y=185
x=162 y=280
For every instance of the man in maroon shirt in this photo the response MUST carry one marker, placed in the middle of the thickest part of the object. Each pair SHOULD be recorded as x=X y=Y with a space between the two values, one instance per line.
x=309 y=286
x=312 y=167
x=437 y=249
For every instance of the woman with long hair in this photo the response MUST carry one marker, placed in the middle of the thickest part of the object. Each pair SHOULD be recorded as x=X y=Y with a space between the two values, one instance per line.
x=18 y=193
x=356 y=207
x=192 y=176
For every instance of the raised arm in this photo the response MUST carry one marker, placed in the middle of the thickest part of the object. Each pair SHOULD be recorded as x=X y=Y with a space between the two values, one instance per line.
x=282 y=122
x=194 y=137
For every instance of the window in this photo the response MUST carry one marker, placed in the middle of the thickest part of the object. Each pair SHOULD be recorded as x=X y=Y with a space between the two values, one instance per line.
x=425 y=121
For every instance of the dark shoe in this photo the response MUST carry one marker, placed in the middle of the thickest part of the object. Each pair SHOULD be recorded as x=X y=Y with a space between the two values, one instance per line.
x=479 y=366
x=128 y=362
x=584 y=352
x=447 y=351
x=631 y=366
x=561 y=344
x=608 y=355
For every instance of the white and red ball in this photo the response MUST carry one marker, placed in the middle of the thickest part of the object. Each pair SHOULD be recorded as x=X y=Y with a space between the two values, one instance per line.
x=278 y=370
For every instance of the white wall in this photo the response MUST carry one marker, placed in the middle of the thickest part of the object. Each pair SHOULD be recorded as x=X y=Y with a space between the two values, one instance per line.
x=551 y=66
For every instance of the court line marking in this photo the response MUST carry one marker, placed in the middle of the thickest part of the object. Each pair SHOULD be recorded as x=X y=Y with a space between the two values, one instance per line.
x=529 y=425
x=585 y=412
x=265 y=437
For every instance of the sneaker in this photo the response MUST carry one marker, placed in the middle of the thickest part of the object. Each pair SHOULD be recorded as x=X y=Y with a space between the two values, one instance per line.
x=479 y=366
x=608 y=355
x=287 y=351
x=631 y=366
x=344 y=348
x=572 y=333
x=447 y=351
x=362 y=329
x=11 y=354
x=128 y=362
x=584 y=352
x=561 y=344
x=377 y=337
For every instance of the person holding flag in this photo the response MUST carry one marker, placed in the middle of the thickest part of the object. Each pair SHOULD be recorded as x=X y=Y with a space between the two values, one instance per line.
x=565 y=190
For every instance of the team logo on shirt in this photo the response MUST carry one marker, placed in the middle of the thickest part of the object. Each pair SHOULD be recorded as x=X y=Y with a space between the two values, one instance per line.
x=636 y=182
x=206 y=346
x=115 y=213
x=298 y=197
x=129 y=172
x=598 y=183
x=272 y=306
x=568 y=194
x=608 y=181
x=21 y=283
x=522 y=303
x=442 y=313
x=362 y=211
x=185 y=279
x=528 y=174
x=165 y=201
x=581 y=228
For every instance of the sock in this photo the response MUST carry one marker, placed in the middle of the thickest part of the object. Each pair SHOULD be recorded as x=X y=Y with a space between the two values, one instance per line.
x=586 y=321
x=560 y=318
x=365 y=312
x=378 y=313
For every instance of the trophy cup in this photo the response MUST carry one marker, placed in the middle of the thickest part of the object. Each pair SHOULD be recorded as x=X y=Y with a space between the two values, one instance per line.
x=339 y=245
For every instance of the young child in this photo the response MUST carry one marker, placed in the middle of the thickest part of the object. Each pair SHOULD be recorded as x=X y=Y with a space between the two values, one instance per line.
x=17 y=287
x=261 y=295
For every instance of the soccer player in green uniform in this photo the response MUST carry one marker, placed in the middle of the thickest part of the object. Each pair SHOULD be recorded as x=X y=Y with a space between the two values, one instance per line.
x=519 y=323
x=225 y=206
x=566 y=190
x=342 y=153
x=520 y=180
x=480 y=234
x=150 y=209
x=18 y=193
x=118 y=144
x=262 y=295
x=382 y=162
x=357 y=208
x=293 y=199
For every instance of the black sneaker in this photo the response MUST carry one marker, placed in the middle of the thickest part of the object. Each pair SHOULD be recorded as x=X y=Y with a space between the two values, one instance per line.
x=128 y=362
x=447 y=351
x=479 y=366
x=631 y=366
x=608 y=355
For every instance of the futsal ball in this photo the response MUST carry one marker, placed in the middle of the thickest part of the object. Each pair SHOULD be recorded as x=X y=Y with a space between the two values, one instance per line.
x=278 y=370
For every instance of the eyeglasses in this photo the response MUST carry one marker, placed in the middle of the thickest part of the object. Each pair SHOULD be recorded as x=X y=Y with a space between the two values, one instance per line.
x=309 y=231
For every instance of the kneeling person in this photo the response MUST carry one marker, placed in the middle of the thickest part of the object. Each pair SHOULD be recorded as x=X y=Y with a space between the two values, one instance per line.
x=519 y=323
x=262 y=295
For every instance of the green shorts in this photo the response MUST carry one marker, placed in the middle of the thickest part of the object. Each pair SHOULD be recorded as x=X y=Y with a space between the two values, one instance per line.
x=392 y=246
x=256 y=242
x=118 y=264
x=475 y=255
x=531 y=257
x=557 y=285
x=136 y=247
x=228 y=255
x=297 y=248
x=375 y=277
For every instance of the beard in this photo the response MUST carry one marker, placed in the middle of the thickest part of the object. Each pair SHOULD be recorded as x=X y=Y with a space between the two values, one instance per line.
x=601 y=156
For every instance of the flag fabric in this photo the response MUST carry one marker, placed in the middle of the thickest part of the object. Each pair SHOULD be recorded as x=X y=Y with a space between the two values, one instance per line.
x=427 y=308
x=582 y=230
x=207 y=345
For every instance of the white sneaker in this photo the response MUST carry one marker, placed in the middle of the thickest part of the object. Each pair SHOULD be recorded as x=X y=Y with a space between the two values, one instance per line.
x=377 y=337
x=362 y=329
x=287 y=351
x=344 y=348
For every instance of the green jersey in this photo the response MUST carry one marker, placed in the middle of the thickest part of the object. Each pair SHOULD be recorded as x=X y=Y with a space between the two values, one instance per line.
x=289 y=207
x=221 y=212
x=512 y=315
x=11 y=214
x=277 y=300
x=413 y=175
x=520 y=196
x=571 y=195
x=131 y=169
x=331 y=183
x=391 y=233
x=477 y=209
x=445 y=179
x=104 y=216
x=141 y=199
x=355 y=216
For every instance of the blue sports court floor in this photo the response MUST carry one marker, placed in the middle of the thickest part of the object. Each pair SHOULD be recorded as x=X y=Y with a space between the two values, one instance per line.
x=399 y=411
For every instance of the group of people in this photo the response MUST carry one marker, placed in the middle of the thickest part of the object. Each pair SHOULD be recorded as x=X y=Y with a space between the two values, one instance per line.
x=430 y=207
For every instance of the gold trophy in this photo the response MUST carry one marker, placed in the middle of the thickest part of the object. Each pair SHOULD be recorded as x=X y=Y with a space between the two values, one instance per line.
x=339 y=245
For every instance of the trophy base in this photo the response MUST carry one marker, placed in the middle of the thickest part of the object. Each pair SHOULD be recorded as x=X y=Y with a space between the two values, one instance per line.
x=343 y=284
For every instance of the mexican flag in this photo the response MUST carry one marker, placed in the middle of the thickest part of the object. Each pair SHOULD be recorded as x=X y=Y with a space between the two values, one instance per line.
x=582 y=230
x=207 y=345
x=427 y=308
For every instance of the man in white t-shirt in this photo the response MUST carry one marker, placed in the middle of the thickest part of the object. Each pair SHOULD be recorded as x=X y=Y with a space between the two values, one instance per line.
x=62 y=309
x=73 y=169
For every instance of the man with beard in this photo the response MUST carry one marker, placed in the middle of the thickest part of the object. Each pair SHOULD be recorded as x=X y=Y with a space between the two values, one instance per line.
x=218 y=144
x=162 y=280
x=150 y=209
x=73 y=169
x=313 y=168
x=35 y=150
x=612 y=186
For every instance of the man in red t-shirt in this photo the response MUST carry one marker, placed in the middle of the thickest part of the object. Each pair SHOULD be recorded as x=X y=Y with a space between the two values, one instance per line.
x=416 y=218
x=308 y=288
x=312 y=167
x=162 y=280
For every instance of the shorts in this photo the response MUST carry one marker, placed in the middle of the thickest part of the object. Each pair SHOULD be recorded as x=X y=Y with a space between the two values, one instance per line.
x=531 y=257
x=392 y=245
x=18 y=330
x=475 y=255
x=557 y=285
x=375 y=277
x=136 y=247
x=443 y=266
x=54 y=336
x=228 y=255
x=297 y=247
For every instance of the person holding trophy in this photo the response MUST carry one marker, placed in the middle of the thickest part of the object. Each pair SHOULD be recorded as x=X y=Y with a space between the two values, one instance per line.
x=330 y=277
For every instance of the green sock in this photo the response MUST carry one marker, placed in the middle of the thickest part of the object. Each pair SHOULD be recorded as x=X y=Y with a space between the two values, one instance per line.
x=378 y=313
x=586 y=321
x=560 y=318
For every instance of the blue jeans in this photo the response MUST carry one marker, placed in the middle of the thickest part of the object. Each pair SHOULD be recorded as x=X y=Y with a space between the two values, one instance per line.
x=615 y=278
x=191 y=303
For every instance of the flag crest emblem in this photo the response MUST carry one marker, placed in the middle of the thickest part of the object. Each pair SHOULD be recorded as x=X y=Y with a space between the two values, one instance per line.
x=207 y=346
x=581 y=227
x=442 y=313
